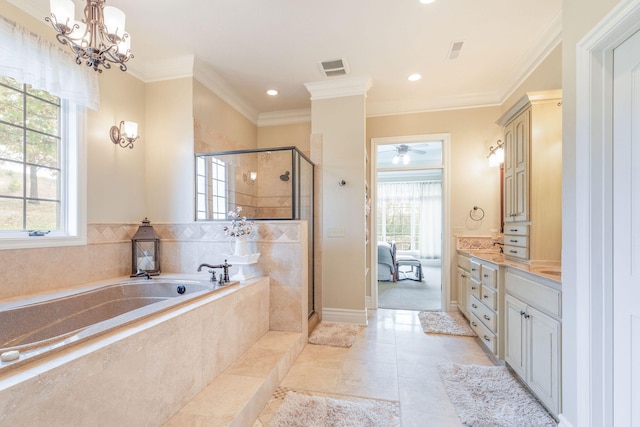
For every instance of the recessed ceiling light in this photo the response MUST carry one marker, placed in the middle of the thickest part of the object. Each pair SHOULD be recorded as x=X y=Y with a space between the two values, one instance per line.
x=414 y=77
x=272 y=92
x=426 y=1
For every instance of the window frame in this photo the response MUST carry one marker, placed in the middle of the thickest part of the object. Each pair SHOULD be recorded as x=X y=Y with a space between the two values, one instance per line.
x=73 y=194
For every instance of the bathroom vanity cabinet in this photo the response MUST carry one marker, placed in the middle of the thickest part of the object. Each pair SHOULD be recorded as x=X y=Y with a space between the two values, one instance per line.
x=533 y=334
x=533 y=176
x=464 y=275
x=484 y=302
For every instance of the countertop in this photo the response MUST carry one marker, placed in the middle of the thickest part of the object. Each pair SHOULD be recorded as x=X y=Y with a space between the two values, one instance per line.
x=548 y=269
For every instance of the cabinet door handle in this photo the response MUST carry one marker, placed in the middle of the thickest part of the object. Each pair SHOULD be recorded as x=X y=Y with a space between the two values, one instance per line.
x=473 y=269
x=485 y=296
x=474 y=324
x=513 y=252
x=463 y=276
x=526 y=316
x=522 y=313
x=486 y=317
x=474 y=306
x=486 y=276
x=513 y=230
x=486 y=338
x=513 y=241
x=473 y=287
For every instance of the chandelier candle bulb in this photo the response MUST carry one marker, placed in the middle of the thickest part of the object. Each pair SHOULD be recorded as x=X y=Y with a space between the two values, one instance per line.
x=114 y=20
x=64 y=11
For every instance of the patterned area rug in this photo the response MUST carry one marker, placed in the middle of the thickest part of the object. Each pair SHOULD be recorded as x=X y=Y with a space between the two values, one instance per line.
x=297 y=408
x=334 y=334
x=442 y=322
x=486 y=396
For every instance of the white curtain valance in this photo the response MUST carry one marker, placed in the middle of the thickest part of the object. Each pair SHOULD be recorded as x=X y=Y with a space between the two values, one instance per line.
x=29 y=59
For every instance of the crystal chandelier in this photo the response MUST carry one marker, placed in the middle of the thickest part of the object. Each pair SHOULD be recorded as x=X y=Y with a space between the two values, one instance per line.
x=99 y=39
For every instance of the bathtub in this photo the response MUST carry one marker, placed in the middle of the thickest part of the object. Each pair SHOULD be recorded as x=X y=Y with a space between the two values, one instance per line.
x=36 y=327
x=143 y=371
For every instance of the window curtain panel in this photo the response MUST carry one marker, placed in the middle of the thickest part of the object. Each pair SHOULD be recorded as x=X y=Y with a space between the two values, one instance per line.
x=425 y=196
x=30 y=59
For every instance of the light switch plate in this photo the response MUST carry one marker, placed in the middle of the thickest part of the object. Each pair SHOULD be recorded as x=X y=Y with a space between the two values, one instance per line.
x=335 y=232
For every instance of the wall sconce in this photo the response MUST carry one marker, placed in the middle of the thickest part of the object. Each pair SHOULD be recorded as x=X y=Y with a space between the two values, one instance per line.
x=250 y=177
x=125 y=134
x=496 y=155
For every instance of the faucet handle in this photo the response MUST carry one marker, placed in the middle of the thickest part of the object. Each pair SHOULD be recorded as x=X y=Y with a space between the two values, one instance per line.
x=213 y=275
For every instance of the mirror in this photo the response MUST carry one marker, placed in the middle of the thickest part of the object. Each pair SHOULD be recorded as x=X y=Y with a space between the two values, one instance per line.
x=275 y=183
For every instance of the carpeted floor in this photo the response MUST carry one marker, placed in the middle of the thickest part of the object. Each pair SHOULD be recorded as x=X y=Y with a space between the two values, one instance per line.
x=489 y=396
x=413 y=295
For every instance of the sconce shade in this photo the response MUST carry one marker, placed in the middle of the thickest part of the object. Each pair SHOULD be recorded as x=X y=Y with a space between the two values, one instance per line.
x=145 y=250
x=125 y=134
x=496 y=155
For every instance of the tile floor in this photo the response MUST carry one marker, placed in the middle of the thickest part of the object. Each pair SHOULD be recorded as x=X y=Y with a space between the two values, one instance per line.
x=392 y=359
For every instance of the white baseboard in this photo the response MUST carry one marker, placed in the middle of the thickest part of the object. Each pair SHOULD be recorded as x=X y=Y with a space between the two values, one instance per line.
x=563 y=421
x=358 y=317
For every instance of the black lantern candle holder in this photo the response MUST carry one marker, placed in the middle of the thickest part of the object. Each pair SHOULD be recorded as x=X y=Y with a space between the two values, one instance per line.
x=145 y=251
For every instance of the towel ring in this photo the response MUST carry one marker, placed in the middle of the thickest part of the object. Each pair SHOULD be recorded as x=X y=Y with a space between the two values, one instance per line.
x=475 y=215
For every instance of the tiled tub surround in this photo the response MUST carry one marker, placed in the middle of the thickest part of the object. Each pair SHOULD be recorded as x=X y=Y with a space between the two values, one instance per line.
x=282 y=244
x=143 y=373
x=36 y=327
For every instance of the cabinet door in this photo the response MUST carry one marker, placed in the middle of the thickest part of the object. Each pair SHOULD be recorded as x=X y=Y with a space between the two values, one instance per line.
x=544 y=358
x=515 y=335
x=508 y=174
x=462 y=291
x=521 y=132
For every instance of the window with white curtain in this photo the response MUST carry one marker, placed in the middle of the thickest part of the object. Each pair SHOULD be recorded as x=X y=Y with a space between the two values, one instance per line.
x=43 y=98
x=410 y=213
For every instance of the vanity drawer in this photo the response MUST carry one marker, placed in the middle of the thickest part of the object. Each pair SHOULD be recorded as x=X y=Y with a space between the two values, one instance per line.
x=538 y=295
x=489 y=276
x=521 y=241
x=515 y=251
x=464 y=262
x=489 y=297
x=473 y=288
x=486 y=336
x=518 y=230
x=486 y=316
x=475 y=269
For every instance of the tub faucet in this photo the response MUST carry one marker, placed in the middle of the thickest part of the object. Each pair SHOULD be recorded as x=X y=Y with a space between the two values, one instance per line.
x=142 y=273
x=224 y=276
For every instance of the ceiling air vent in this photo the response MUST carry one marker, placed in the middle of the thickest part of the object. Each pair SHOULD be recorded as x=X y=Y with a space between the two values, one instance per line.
x=454 y=50
x=337 y=67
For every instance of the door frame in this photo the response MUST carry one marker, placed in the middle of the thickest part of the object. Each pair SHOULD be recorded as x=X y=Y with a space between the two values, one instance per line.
x=446 y=200
x=590 y=349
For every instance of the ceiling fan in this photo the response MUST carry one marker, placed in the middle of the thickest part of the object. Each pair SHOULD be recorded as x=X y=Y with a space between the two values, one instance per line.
x=403 y=154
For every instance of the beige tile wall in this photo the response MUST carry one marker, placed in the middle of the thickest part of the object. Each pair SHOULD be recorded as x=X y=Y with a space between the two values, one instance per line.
x=26 y=272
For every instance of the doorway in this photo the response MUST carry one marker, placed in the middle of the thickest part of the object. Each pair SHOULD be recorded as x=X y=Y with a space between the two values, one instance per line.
x=408 y=207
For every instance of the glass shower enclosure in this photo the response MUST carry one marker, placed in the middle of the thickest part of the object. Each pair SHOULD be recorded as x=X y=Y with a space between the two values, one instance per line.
x=268 y=184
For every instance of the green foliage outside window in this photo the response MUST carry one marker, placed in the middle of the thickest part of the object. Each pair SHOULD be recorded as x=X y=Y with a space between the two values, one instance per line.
x=30 y=170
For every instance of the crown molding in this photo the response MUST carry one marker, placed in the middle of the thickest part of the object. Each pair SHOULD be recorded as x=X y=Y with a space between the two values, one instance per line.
x=289 y=117
x=377 y=109
x=339 y=87
x=206 y=75
x=549 y=40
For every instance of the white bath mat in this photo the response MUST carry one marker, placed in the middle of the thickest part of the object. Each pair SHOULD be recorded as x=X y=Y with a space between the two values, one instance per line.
x=442 y=322
x=489 y=396
x=334 y=334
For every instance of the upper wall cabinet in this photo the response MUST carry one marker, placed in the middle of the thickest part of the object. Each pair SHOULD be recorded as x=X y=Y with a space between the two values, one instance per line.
x=533 y=177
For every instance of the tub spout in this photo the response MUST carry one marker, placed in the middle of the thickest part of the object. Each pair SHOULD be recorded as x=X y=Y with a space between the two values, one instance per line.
x=142 y=273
